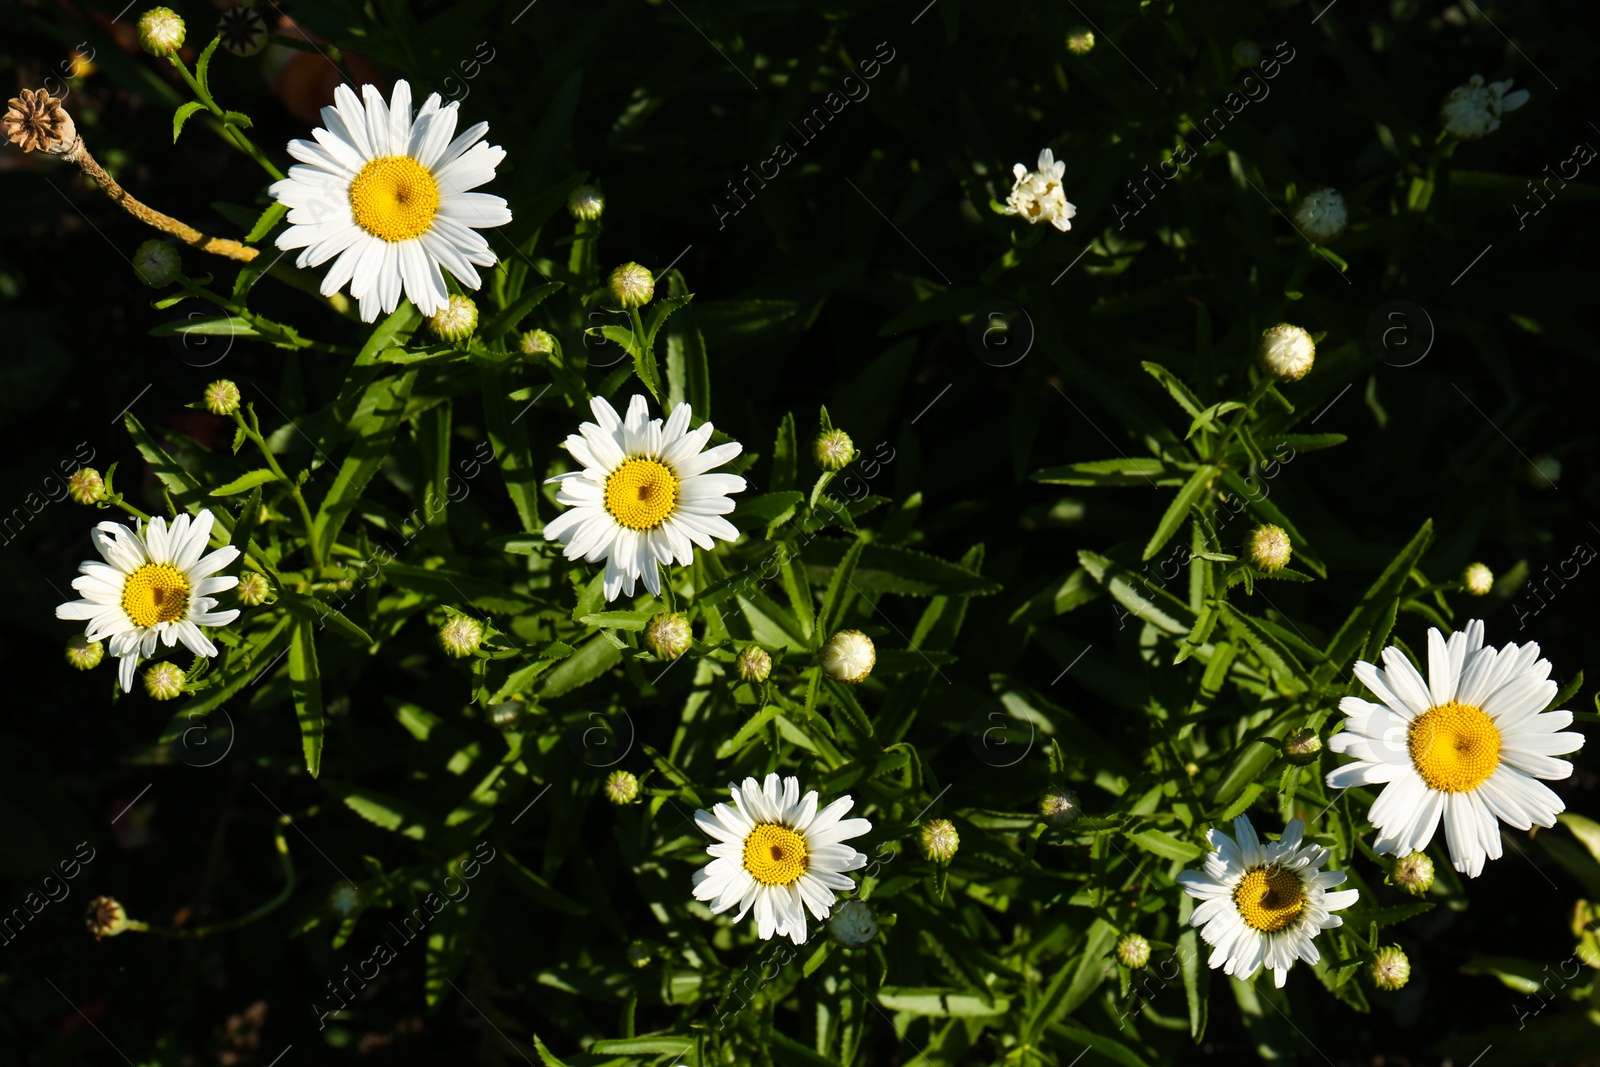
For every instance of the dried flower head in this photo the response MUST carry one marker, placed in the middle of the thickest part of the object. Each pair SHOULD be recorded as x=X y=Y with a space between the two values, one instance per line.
x=105 y=917
x=1060 y=807
x=243 y=30
x=36 y=120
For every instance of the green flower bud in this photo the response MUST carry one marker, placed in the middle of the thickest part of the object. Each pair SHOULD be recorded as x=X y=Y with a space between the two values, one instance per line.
x=1133 y=951
x=1389 y=969
x=84 y=654
x=833 y=450
x=157 y=264
x=161 y=31
x=940 y=840
x=621 y=787
x=631 y=285
x=456 y=321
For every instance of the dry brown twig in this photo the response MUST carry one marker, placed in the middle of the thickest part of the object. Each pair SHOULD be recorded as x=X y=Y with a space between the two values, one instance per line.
x=36 y=121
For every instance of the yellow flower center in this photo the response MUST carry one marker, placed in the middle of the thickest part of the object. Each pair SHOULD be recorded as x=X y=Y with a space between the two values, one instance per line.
x=155 y=593
x=774 y=855
x=642 y=493
x=1270 y=898
x=394 y=198
x=1454 y=747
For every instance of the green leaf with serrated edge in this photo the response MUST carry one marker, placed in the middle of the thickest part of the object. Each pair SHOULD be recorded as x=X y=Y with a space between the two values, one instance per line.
x=1073 y=984
x=1239 y=806
x=1566 y=693
x=785 y=456
x=1160 y=843
x=550 y=1059
x=244 y=527
x=306 y=686
x=748 y=731
x=1155 y=606
x=833 y=601
x=323 y=615
x=269 y=218
x=1196 y=974
x=375 y=421
x=181 y=116
x=202 y=66
x=1292 y=676
x=648 y=1045
x=937 y=1002
x=261 y=656
x=891 y=569
x=245 y=482
x=619 y=620
x=816 y=959
x=506 y=321
x=454 y=932
x=1179 y=509
x=849 y=707
x=1174 y=387
x=1360 y=628
x=593 y=658
x=763 y=509
x=508 y=441
x=657 y=315
x=186 y=492
x=1137 y=472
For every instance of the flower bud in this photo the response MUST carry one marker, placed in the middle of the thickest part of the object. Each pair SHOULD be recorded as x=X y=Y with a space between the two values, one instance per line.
x=1322 y=215
x=1080 y=40
x=849 y=656
x=1246 y=53
x=1478 y=579
x=252 y=589
x=454 y=322
x=1302 y=747
x=536 y=343
x=621 y=787
x=1286 y=352
x=346 y=899
x=833 y=450
x=631 y=285
x=753 y=664
x=668 y=635
x=1389 y=969
x=506 y=715
x=243 y=30
x=84 y=654
x=639 y=954
x=85 y=486
x=586 y=203
x=940 y=840
x=1269 y=548
x=163 y=681
x=160 y=31
x=105 y=917
x=461 y=635
x=1133 y=951
x=222 y=397
x=157 y=264
x=853 y=924
x=1413 y=872
x=1060 y=807
x=1544 y=472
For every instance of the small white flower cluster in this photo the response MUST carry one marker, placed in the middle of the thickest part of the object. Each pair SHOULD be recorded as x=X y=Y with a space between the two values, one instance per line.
x=1038 y=196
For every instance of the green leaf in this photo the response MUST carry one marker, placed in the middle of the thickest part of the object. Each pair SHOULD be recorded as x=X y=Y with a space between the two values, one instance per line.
x=202 y=66
x=1363 y=627
x=376 y=418
x=507 y=320
x=1155 y=606
x=1146 y=472
x=748 y=731
x=593 y=658
x=833 y=601
x=1196 y=974
x=245 y=482
x=1179 y=509
x=784 y=455
x=935 y=1001
x=269 y=218
x=1073 y=984
x=646 y=1045
x=312 y=610
x=765 y=509
x=1174 y=386
x=1166 y=846
x=306 y=686
x=887 y=569
x=181 y=116
x=186 y=492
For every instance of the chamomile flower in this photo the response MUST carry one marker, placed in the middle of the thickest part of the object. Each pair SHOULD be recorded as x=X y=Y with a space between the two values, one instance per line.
x=644 y=496
x=1037 y=194
x=777 y=854
x=1264 y=903
x=387 y=193
x=1465 y=747
x=154 y=588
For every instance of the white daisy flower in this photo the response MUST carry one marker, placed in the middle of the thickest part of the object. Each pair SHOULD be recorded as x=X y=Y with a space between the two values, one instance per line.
x=1037 y=195
x=387 y=194
x=1465 y=747
x=1263 y=904
x=1474 y=109
x=776 y=853
x=154 y=588
x=643 y=497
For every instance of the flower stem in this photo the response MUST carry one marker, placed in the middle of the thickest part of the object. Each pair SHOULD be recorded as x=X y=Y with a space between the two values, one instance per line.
x=254 y=433
x=249 y=916
x=231 y=132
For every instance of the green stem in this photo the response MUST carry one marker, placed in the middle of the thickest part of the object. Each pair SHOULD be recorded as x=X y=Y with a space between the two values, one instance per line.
x=119 y=501
x=294 y=488
x=249 y=916
x=230 y=132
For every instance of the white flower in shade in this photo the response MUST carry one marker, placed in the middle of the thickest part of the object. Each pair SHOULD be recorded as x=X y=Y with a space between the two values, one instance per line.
x=1038 y=196
x=387 y=193
x=154 y=588
x=1474 y=109
x=1465 y=747
x=1286 y=352
x=643 y=497
x=1322 y=215
x=1264 y=903
x=776 y=853
x=853 y=924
